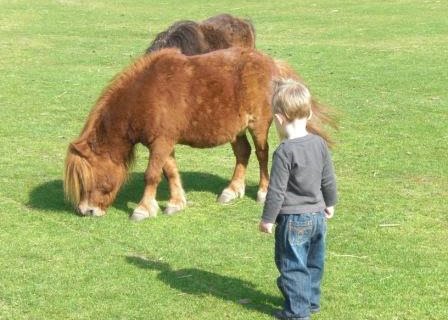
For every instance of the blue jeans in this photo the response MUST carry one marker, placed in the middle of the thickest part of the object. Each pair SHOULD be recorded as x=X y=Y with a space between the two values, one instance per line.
x=299 y=256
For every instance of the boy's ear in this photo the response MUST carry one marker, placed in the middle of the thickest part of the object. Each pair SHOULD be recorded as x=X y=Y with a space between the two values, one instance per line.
x=279 y=118
x=311 y=115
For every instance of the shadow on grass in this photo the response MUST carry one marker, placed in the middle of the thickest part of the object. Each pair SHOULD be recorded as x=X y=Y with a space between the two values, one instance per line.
x=50 y=195
x=200 y=282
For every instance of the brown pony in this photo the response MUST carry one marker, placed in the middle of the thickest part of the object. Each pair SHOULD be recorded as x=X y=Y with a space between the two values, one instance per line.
x=167 y=98
x=218 y=32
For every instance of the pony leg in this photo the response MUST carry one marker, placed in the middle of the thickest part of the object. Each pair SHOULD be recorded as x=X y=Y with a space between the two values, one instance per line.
x=148 y=206
x=177 y=200
x=260 y=138
x=241 y=149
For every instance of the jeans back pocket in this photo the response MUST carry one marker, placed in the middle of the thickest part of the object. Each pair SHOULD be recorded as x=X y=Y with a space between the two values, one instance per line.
x=300 y=229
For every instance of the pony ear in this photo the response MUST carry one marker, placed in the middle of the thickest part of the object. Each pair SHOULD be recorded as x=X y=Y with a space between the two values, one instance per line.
x=81 y=147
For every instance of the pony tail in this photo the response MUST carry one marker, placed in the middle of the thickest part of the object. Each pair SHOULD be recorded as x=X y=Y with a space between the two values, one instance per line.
x=284 y=71
x=322 y=118
x=325 y=114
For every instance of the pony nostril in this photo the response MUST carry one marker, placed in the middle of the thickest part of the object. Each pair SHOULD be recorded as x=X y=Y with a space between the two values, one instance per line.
x=90 y=211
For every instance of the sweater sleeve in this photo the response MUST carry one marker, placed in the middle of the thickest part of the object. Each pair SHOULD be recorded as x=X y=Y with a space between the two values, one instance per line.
x=328 y=185
x=278 y=183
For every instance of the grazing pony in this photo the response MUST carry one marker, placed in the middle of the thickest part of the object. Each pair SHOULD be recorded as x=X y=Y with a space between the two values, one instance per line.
x=219 y=32
x=167 y=98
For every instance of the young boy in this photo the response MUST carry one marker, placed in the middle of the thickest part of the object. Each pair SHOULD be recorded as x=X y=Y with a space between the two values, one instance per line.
x=301 y=196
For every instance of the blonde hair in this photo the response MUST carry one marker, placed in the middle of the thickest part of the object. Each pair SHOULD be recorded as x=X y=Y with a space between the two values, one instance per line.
x=291 y=99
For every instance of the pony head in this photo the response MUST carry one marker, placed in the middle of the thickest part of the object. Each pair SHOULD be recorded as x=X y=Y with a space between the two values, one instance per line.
x=91 y=180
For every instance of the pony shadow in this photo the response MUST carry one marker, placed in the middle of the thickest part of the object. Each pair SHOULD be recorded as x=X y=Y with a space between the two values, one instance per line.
x=200 y=282
x=132 y=191
x=49 y=196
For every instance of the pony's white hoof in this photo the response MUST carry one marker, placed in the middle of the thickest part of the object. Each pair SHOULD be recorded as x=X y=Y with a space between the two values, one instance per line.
x=228 y=195
x=176 y=206
x=140 y=213
x=172 y=209
x=261 y=196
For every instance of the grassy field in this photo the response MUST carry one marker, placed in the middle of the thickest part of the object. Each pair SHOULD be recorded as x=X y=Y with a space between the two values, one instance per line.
x=381 y=64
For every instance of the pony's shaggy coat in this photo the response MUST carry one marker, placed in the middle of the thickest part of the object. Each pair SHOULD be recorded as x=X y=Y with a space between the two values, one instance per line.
x=218 y=32
x=167 y=98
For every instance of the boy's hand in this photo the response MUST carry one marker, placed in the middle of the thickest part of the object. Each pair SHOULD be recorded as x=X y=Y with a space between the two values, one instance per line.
x=329 y=212
x=265 y=227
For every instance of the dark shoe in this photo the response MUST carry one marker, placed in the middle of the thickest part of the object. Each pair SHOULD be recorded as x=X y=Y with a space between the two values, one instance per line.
x=279 y=314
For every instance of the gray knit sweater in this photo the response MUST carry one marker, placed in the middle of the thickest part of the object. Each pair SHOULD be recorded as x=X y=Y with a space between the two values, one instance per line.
x=302 y=178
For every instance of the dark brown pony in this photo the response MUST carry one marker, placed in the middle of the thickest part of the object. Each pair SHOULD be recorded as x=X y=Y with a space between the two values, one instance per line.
x=167 y=98
x=218 y=32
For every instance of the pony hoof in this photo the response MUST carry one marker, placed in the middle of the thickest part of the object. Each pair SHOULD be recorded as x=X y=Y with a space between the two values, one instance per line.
x=261 y=196
x=140 y=215
x=172 y=209
x=227 y=196
x=174 y=206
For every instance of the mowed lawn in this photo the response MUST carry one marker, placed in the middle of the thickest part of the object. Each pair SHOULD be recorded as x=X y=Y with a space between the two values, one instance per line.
x=382 y=65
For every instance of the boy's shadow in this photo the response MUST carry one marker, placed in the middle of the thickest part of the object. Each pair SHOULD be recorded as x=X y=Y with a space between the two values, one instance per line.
x=50 y=195
x=200 y=282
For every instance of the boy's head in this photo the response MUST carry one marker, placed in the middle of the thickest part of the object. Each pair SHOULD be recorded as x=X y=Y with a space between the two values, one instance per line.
x=291 y=99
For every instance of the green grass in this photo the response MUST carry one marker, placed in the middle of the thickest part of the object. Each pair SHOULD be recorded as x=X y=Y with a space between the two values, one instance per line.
x=381 y=64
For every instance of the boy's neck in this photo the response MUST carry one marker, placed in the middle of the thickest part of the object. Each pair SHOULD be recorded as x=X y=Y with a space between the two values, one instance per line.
x=296 y=128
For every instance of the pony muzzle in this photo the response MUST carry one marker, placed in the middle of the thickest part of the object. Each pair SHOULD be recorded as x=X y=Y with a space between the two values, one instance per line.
x=85 y=209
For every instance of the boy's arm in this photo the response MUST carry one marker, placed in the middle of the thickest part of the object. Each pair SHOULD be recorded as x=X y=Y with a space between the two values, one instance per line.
x=328 y=184
x=276 y=189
